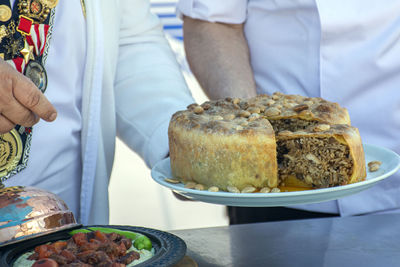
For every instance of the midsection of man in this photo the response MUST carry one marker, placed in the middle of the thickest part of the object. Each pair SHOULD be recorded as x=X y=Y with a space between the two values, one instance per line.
x=54 y=161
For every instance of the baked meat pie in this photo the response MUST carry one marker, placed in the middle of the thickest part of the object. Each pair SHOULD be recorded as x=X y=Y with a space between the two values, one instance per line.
x=286 y=141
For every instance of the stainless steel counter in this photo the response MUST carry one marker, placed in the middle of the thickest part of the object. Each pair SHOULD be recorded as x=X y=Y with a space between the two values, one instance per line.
x=355 y=241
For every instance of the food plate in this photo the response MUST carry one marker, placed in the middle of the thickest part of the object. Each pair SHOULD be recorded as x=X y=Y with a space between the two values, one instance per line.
x=390 y=164
x=168 y=248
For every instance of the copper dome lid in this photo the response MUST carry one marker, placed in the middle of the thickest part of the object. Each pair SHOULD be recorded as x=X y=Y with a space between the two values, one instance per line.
x=28 y=212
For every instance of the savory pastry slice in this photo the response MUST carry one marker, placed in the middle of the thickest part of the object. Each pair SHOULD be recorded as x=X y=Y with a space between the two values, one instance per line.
x=320 y=156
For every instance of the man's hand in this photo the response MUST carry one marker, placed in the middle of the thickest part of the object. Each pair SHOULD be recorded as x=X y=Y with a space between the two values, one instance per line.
x=21 y=102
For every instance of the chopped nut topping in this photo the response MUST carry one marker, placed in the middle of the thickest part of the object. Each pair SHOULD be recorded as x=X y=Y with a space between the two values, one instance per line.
x=172 y=181
x=270 y=102
x=248 y=189
x=289 y=105
x=192 y=106
x=244 y=104
x=323 y=108
x=190 y=185
x=254 y=116
x=206 y=106
x=236 y=101
x=236 y=106
x=198 y=110
x=300 y=107
x=254 y=110
x=272 y=112
x=275 y=97
x=373 y=166
x=265 y=190
x=232 y=189
x=199 y=187
x=244 y=113
x=229 y=117
x=213 y=189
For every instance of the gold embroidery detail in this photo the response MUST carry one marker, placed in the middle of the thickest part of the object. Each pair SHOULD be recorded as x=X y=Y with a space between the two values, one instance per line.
x=10 y=151
x=5 y=13
x=3 y=32
x=10 y=190
x=38 y=10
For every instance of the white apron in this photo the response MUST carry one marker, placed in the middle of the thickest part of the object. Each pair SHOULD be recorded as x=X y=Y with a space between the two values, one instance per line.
x=345 y=51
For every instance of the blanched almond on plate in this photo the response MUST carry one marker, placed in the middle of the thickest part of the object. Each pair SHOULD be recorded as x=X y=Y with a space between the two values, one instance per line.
x=172 y=181
x=373 y=166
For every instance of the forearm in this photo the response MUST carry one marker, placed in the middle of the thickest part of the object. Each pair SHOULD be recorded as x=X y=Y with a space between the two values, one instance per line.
x=218 y=56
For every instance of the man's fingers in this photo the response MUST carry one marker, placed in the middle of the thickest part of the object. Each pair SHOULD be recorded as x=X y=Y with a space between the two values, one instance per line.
x=21 y=102
x=20 y=115
x=30 y=97
x=11 y=109
x=5 y=125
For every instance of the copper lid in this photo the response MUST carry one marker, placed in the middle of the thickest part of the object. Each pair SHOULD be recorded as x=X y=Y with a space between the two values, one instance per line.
x=28 y=212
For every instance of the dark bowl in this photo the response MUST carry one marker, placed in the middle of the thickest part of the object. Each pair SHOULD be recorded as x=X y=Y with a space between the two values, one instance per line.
x=168 y=248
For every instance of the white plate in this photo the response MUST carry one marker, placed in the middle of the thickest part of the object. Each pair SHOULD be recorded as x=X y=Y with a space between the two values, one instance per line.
x=390 y=164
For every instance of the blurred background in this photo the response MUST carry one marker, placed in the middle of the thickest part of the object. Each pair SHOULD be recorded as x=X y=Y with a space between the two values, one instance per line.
x=135 y=198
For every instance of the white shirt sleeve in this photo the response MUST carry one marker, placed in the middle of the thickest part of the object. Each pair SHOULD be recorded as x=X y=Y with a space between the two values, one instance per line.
x=230 y=11
x=149 y=85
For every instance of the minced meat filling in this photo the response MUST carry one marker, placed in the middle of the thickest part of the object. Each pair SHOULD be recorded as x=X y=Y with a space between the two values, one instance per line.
x=320 y=162
x=291 y=124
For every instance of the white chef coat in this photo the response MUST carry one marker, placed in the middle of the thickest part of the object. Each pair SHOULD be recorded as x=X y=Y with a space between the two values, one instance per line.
x=55 y=156
x=344 y=51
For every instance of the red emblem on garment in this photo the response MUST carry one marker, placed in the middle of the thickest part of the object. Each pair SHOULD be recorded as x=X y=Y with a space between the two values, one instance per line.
x=38 y=37
x=19 y=64
x=24 y=25
x=36 y=7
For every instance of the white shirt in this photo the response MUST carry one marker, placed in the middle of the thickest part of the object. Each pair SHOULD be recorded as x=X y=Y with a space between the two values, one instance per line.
x=58 y=168
x=344 y=51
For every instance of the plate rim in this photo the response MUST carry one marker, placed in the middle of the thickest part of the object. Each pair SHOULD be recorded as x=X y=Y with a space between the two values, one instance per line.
x=227 y=195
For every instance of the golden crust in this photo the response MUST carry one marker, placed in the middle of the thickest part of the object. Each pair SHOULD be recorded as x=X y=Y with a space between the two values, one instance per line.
x=221 y=160
x=222 y=152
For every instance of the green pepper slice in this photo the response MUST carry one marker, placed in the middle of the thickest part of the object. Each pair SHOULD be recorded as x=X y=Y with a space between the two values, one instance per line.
x=143 y=242
x=79 y=231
